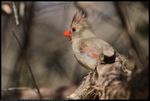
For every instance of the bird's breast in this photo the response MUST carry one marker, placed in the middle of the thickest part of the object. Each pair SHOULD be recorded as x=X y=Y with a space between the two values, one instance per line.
x=86 y=53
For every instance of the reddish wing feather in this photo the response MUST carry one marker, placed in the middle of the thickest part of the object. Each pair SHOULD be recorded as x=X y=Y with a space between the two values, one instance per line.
x=90 y=51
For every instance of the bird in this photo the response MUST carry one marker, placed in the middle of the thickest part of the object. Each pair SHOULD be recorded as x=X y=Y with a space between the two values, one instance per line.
x=89 y=50
x=109 y=72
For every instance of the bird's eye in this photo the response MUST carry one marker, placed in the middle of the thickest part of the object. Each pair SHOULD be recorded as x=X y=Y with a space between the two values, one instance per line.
x=73 y=29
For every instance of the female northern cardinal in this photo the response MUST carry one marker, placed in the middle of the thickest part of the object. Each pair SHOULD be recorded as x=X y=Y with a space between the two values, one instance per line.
x=91 y=52
x=88 y=49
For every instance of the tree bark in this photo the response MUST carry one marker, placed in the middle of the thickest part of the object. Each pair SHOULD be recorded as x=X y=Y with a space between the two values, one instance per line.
x=107 y=81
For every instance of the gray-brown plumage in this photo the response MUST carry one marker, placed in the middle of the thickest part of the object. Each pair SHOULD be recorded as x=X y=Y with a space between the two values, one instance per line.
x=109 y=76
x=87 y=48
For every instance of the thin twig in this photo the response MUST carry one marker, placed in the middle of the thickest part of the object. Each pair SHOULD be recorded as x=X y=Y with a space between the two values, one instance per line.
x=15 y=13
x=34 y=81
x=29 y=67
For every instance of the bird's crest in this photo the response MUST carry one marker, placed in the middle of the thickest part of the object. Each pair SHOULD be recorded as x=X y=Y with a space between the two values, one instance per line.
x=79 y=17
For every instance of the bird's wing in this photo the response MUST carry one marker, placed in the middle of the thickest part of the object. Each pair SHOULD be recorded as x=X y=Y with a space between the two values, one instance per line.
x=91 y=50
x=95 y=46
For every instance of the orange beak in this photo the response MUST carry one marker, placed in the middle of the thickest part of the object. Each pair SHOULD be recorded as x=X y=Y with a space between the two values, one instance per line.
x=67 y=34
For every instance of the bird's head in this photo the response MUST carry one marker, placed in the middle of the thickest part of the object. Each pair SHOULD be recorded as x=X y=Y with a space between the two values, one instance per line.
x=78 y=23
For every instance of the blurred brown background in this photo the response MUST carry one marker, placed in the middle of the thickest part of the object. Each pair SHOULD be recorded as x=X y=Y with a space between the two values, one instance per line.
x=50 y=53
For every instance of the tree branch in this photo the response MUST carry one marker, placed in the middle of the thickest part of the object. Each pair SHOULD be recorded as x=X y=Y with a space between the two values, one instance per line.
x=108 y=81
